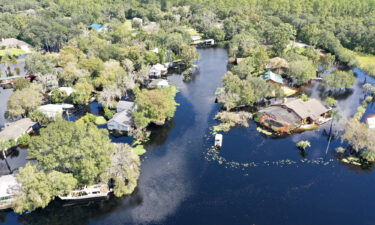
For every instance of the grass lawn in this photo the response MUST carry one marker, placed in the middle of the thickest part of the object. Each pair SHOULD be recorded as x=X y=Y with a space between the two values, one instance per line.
x=12 y=51
x=366 y=61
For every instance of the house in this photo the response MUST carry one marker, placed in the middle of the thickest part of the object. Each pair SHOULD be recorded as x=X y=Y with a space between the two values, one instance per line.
x=124 y=105
x=269 y=76
x=15 y=43
x=15 y=130
x=158 y=83
x=277 y=65
x=138 y=20
x=8 y=187
x=196 y=39
x=292 y=113
x=53 y=110
x=67 y=90
x=158 y=70
x=97 y=27
x=371 y=122
x=209 y=42
x=123 y=120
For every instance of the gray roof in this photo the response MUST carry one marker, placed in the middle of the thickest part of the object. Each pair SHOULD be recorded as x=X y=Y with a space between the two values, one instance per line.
x=282 y=114
x=123 y=117
x=125 y=105
x=304 y=109
x=12 y=42
x=16 y=129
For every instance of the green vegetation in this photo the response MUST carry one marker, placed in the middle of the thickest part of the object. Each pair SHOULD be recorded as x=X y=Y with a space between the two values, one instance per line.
x=154 y=106
x=12 y=51
x=231 y=119
x=70 y=155
x=23 y=101
x=303 y=145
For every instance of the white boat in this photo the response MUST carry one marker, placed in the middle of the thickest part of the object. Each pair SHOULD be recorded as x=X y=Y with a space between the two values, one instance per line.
x=90 y=192
x=218 y=140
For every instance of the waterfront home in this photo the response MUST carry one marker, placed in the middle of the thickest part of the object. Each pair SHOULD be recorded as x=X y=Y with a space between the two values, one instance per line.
x=97 y=27
x=123 y=120
x=54 y=110
x=15 y=43
x=271 y=77
x=158 y=70
x=196 y=39
x=8 y=187
x=158 y=83
x=293 y=113
x=88 y=192
x=371 y=122
x=15 y=130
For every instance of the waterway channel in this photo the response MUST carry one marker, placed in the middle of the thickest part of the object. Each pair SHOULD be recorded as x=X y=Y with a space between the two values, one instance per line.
x=253 y=179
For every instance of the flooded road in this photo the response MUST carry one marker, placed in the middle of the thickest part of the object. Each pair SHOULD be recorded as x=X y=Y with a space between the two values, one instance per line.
x=253 y=179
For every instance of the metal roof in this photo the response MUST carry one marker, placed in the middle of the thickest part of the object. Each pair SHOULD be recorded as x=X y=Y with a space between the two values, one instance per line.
x=269 y=75
x=16 y=129
x=304 y=109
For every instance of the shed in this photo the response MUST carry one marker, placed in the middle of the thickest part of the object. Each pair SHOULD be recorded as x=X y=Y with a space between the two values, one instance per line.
x=272 y=77
x=97 y=27
x=8 y=187
x=371 y=122
x=158 y=83
x=16 y=129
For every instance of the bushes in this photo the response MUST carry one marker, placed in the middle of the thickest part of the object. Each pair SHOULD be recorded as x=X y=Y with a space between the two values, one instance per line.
x=302 y=145
x=231 y=119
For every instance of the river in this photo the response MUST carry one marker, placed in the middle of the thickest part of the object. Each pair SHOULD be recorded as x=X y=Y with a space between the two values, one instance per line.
x=253 y=179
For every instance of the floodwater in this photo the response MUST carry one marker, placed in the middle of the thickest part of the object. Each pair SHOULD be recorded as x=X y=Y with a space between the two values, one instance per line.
x=253 y=179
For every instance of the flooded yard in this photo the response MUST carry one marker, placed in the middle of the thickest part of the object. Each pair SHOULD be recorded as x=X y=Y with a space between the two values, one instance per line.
x=252 y=179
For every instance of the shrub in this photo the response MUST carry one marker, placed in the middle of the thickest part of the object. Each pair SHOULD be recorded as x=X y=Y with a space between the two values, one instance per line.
x=302 y=145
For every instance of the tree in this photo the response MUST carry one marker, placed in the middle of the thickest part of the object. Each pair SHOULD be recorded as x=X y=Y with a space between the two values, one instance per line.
x=72 y=74
x=23 y=101
x=110 y=96
x=39 y=64
x=339 y=80
x=154 y=105
x=124 y=170
x=77 y=148
x=38 y=188
x=58 y=96
x=302 y=70
x=302 y=145
x=21 y=84
x=243 y=45
x=359 y=135
x=82 y=94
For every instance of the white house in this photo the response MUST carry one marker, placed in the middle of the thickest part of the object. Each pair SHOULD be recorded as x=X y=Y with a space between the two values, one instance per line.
x=157 y=70
x=158 y=83
x=67 y=90
x=123 y=119
x=8 y=187
x=53 y=110
x=138 y=20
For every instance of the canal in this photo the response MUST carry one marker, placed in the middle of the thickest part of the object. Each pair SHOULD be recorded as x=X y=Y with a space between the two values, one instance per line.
x=253 y=179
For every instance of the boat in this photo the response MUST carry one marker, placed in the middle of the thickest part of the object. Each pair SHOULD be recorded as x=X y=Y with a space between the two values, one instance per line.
x=88 y=192
x=218 y=140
